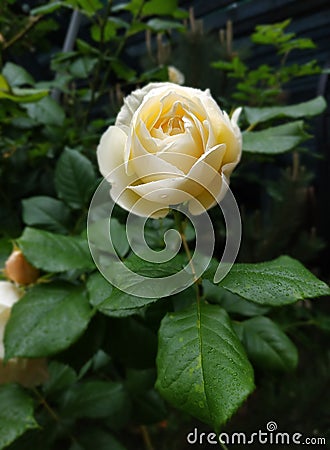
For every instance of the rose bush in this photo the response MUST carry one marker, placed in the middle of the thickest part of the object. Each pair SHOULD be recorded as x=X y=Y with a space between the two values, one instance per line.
x=170 y=144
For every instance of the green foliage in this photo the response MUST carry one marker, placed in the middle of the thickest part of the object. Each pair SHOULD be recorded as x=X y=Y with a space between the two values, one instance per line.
x=50 y=318
x=266 y=344
x=274 y=140
x=199 y=354
x=305 y=109
x=112 y=301
x=16 y=414
x=74 y=178
x=59 y=253
x=264 y=85
x=274 y=283
x=47 y=212
x=275 y=35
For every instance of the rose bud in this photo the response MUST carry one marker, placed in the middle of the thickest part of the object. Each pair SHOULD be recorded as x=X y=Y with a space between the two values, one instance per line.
x=19 y=270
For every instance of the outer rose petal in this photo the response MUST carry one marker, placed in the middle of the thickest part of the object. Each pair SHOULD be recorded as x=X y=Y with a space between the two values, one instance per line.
x=110 y=151
x=214 y=192
x=172 y=191
x=9 y=294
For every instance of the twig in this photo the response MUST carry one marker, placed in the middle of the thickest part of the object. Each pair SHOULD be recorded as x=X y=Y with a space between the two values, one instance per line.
x=179 y=223
x=146 y=437
x=32 y=22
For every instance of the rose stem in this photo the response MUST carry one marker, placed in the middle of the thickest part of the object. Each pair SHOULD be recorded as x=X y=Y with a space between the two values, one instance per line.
x=181 y=225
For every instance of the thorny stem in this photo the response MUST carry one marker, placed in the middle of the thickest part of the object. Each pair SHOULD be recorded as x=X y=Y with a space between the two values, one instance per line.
x=223 y=446
x=50 y=411
x=32 y=22
x=180 y=226
x=47 y=407
x=103 y=53
x=120 y=47
x=146 y=437
x=295 y=165
x=250 y=128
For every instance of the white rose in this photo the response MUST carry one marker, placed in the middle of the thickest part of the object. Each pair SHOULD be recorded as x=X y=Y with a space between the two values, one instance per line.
x=170 y=144
x=9 y=295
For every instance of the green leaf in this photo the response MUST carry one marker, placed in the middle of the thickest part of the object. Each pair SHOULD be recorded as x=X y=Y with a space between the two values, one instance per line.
x=202 y=366
x=267 y=345
x=48 y=212
x=88 y=7
x=16 y=413
x=163 y=25
x=82 y=67
x=310 y=108
x=98 y=288
x=109 y=32
x=16 y=75
x=119 y=237
x=74 y=178
x=46 y=9
x=232 y=303
x=123 y=71
x=95 y=399
x=47 y=111
x=53 y=252
x=99 y=233
x=61 y=377
x=26 y=95
x=4 y=85
x=112 y=301
x=275 y=140
x=46 y=320
x=275 y=283
x=96 y=438
x=133 y=6
x=139 y=279
x=159 y=8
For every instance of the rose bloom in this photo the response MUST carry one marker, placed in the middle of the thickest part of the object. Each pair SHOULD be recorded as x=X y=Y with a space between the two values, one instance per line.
x=27 y=372
x=170 y=145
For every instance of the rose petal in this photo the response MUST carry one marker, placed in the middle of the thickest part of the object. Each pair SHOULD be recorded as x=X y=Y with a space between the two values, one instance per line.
x=133 y=101
x=208 y=165
x=9 y=295
x=132 y=202
x=148 y=166
x=110 y=151
x=167 y=192
x=214 y=193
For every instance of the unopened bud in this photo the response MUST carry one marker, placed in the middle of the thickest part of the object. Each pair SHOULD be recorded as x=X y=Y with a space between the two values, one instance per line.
x=18 y=269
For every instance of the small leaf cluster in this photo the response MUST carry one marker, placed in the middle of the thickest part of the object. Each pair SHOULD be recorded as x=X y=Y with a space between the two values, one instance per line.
x=264 y=85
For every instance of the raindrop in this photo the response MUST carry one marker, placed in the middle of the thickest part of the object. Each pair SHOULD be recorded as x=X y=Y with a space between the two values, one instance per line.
x=164 y=196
